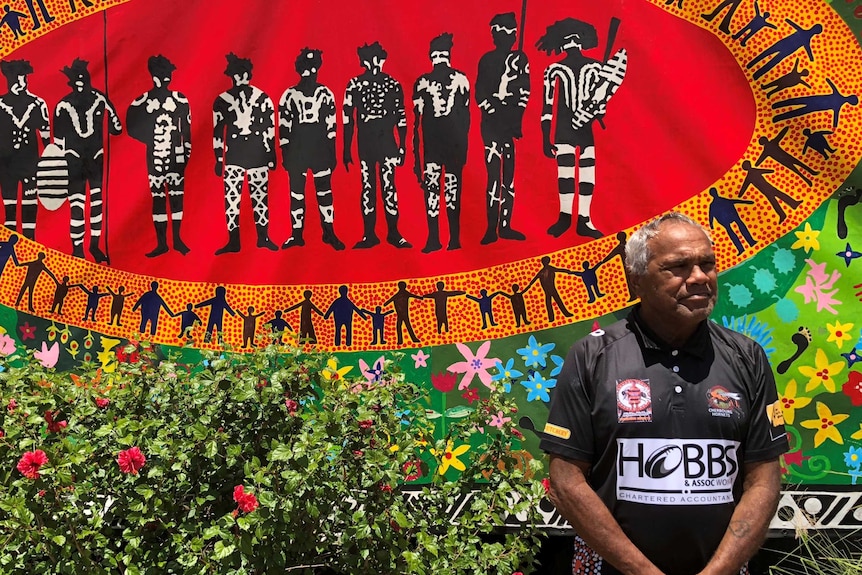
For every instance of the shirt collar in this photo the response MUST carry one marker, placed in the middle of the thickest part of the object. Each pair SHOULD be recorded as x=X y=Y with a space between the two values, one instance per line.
x=698 y=344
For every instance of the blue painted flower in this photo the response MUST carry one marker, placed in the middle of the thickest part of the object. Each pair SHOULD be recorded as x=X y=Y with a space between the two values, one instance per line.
x=537 y=387
x=506 y=372
x=558 y=365
x=853 y=458
x=849 y=254
x=852 y=357
x=535 y=354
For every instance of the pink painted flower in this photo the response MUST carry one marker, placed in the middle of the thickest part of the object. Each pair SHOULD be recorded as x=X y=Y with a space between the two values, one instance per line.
x=498 y=420
x=7 y=344
x=48 y=356
x=131 y=460
x=31 y=462
x=474 y=365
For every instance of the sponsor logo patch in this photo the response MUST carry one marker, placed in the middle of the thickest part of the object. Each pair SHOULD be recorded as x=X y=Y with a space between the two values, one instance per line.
x=634 y=401
x=557 y=431
x=723 y=403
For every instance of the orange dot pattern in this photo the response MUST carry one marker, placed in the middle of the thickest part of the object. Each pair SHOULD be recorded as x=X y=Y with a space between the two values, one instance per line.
x=836 y=57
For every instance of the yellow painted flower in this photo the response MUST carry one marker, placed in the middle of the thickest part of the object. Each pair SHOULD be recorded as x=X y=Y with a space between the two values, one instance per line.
x=822 y=372
x=825 y=425
x=790 y=403
x=449 y=457
x=839 y=333
x=334 y=373
x=807 y=239
x=858 y=434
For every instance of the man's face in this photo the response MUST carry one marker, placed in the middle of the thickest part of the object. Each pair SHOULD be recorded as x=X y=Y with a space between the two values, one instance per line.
x=503 y=37
x=19 y=84
x=162 y=80
x=439 y=57
x=679 y=288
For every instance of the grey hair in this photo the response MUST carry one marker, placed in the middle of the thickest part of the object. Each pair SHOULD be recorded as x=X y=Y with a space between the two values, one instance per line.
x=637 y=250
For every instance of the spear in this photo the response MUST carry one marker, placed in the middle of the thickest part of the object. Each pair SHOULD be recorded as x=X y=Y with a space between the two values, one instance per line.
x=523 y=25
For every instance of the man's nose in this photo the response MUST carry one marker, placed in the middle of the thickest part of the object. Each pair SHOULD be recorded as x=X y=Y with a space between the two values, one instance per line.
x=698 y=275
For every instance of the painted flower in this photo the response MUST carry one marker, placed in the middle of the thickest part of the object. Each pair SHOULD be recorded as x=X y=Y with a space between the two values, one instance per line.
x=471 y=395
x=449 y=457
x=498 y=420
x=790 y=403
x=822 y=372
x=332 y=372
x=825 y=425
x=444 y=382
x=474 y=365
x=848 y=254
x=54 y=426
x=506 y=372
x=246 y=502
x=31 y=462
x=535 y=354
x=853 y=458
x=420 y=359
x=27 y=331
x=807 y=239
x=373 y=373
x=131 y=460
x=7 y=344
x=853 y=388
x=839 y=333
x=48 y=356
x=852 y=357
x=537 y=387
x=412 y=470
x=558 y=365
x=857 y=434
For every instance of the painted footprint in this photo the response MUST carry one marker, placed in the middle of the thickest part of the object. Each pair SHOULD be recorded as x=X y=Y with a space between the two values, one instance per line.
x=801 y=338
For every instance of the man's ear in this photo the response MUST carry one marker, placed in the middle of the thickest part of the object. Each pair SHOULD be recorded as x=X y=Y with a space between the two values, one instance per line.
x=634 y=282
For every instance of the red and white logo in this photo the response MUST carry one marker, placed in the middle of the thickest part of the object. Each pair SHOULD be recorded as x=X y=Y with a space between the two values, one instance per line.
x=634 y=401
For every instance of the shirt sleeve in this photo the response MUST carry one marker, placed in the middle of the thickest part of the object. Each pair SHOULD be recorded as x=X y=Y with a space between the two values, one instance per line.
x=767 y=438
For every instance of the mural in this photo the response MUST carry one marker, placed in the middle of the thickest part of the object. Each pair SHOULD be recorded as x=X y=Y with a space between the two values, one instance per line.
x=156 y=188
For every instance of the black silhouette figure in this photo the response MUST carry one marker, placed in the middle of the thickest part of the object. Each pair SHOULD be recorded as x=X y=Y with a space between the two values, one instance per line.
x=306 y=132
x=755 y=25
x=722 y=211
x=94 y=296
x=378 y=324
x=161 y=118
x=817 y=142
x=441 y=299
x=249 y=326
x=724 y=25
x=669 y=2
x=23 y=128
x=78 y=131
x=306 y=325
x=118 y=302
x=581 y=88
x=502 y=91
x=218 y=306
x=46 y=16
x=277 y=325
x=7 y=252
x=772 y=149
x=800 y=38
x=400 y=300
x=590 y=277
x=547 y=278
x=804 y=105
x=844 y=202
x=486 y=308
x=519 y=305
x=244 y=146
x=374 y=109
x=620 y=250
x=188 y=321
x=441 y=110
x=756 y=178
x=74 y=6
x=35 y=269
x=151 y=304
x=12 y=18
x=342 y=309
x=60 y=293
x=801 y=339
x=795 y=77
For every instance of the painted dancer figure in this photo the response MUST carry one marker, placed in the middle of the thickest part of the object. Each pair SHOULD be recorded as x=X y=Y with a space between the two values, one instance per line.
x=79 y=121
x=755 y=25
x=12 y=18
x=441 y=110
x=502 y=91
x=804 y=105
x=342 y=309
x=818 y=142
x=772 y=149
x=374 y=109
x=723 y=211
x=218 y=305
x=151 y=304
x=306 y=322
x=244 y=145
x=23 y=127
x=118 y=302
x=800 y=38
x=35 y=269
x=577 y=90
x=756 y=178
x=441 y=299
x=46 y=15
x=400 y=300
x=794 y=77
x=161 y=118
x=306 y=132
x=547 y=278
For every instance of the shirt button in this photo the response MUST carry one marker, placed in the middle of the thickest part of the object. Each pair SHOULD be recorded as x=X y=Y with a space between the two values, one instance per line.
x=675 y=369
x=678 y=389
x=675 y=352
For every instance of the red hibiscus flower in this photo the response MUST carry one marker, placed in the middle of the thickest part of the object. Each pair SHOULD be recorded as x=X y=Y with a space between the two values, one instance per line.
x=470 y=395
x=131 y=460
x=54 y=426
x=31 y=462
x=27 y=331
x=546 y=483
x=246 y=502
x=366 y=424
x=444 y=382
x=292 y=406
x=12 y=405
x=102 y=402
x=853 y=388
x=124 y=357
x=412 y=470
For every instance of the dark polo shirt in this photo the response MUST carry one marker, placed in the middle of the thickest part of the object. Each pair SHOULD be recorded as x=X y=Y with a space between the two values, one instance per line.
x=667 y=432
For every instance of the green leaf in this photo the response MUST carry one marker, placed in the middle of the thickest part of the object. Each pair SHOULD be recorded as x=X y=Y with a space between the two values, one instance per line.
x=220 y=551
x=281 y=452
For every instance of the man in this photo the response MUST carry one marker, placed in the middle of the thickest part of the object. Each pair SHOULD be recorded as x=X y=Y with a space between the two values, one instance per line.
x=244 y=145
x=665 y=429
x=24 y=127
x=502 y=92
x=161 y=118
x=78 y=131
x=374 y=109
x=306 y=131
x=577 y=91
x=441 y=110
